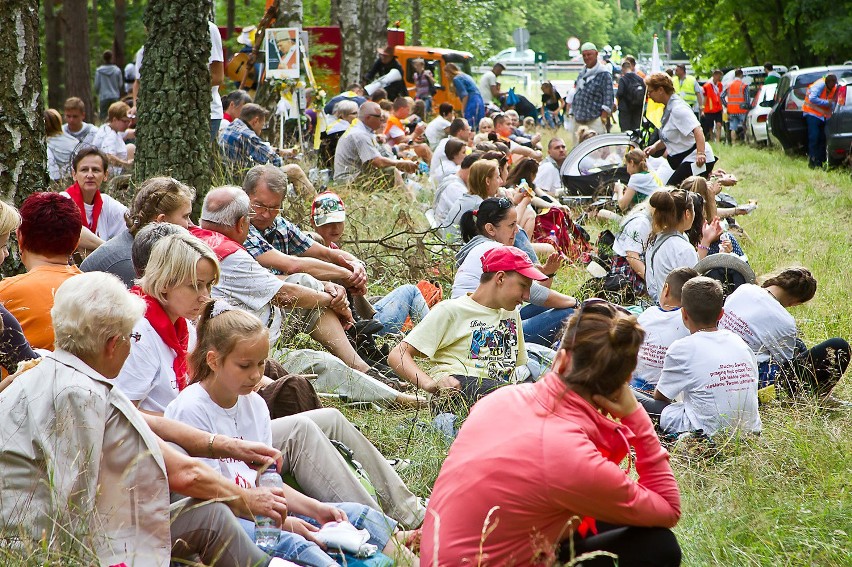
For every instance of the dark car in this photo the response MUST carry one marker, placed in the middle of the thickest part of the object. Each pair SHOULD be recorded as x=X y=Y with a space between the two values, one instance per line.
x=786 y=125
x=838 y=129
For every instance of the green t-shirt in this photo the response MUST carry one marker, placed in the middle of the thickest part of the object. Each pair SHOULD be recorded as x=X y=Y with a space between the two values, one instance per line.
x=462 y=337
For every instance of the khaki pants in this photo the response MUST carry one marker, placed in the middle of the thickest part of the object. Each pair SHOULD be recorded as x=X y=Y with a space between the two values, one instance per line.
x=323 y=474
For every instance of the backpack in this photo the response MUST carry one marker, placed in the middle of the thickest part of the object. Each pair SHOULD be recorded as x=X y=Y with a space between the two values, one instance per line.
x=634 y=90
x=568 y=238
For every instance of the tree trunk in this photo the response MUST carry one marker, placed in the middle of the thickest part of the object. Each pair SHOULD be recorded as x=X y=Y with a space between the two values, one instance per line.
x=415 y=22
x=350 y=34
x=174 y=96
x=53 y=56
x=231 y=17
x=334 y=12
x=119 y=30
x=747 y=38
x=290 y=14
x=78 y=81
x=23 y=157
x=375 y=31
x=94 y=31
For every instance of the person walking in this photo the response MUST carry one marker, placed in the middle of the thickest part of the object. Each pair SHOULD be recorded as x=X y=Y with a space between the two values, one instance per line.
x=631 y=97
x=711 y=121
x=689 y=90
x=467 y=91
x=736 y=99
x=593 y=100
x=109 y=84
x=819 y=101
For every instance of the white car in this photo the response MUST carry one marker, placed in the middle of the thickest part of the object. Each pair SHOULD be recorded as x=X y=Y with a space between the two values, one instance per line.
x=512 y=56
x=755 y=122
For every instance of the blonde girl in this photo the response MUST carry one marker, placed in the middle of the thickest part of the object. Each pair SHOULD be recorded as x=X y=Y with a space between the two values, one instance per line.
x=642 y=182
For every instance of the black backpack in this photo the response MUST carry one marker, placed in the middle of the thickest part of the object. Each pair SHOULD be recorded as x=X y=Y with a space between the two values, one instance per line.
x=634 y=89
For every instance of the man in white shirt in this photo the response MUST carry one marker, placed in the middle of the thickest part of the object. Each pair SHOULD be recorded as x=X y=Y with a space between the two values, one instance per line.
x=438 y=129
x=459 y=129
x=489 y=88
x=714 y=370
x=549 y=179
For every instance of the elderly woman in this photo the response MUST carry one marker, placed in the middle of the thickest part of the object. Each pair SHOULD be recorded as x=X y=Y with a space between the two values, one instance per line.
x=159 y=199
x=60 y=146
x=467 y=90
x=681 y=136
x=80 y=464
x=345 y=112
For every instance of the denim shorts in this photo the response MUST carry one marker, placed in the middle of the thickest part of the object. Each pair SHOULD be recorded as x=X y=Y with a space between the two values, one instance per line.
x=735 y=121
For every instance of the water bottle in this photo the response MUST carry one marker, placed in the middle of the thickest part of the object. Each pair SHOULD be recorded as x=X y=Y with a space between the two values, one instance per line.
x=266 y=533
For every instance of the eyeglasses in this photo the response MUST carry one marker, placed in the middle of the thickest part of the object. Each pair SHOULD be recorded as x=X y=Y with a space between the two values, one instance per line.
x=373 y=116
x=264 y=209
x=591 y=302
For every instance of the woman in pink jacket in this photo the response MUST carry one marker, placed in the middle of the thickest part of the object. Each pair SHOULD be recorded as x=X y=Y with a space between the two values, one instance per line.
x=550 y=481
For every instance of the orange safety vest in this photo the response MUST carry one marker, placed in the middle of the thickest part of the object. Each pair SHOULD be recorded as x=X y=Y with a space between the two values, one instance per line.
x=736 y=97
x=712 y=100
x=810 y=108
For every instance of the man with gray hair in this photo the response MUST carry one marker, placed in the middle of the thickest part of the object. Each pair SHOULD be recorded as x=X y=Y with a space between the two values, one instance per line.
x=288 y=305
x=358 y=154
x=280 y=246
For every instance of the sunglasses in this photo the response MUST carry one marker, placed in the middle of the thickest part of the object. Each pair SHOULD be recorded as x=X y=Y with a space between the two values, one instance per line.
x=593 y=302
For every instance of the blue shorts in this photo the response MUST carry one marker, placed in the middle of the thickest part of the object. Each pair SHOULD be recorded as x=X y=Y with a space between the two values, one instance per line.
x=735 y=121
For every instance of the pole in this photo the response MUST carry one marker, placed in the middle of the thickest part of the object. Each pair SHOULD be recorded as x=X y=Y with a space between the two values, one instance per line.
x=299 y=120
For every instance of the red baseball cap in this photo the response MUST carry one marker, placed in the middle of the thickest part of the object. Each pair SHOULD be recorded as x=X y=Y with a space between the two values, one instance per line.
x=510 y=259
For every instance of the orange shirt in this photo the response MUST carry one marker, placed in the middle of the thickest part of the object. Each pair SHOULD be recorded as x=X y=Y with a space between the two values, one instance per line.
x=29 y=297
x=394 y=129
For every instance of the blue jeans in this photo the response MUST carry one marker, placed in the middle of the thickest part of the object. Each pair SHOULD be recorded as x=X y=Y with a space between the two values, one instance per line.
x=542 y=324
x=293 y=547
x=392 y=310
x=551 y=119
x=474 y=111
x=522 y=242
x=214 y=128
x=816 y=140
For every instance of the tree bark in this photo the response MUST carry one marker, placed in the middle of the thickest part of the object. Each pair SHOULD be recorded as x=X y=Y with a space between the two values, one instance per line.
x=334 y=12
x=94 y=31
x=231 y=17
x=374 y=30
x=78 y=81
x=174 y=97
x=350 y=34
x=53 y=56
x=119 y=30
x=290 y=14
x=23 y=157
x=415 y=22
x=746 y=37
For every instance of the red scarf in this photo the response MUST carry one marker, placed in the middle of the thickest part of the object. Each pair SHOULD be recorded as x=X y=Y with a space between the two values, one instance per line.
x=76 y=195
x=221 y=244
x=175 y=336
x=227 y=117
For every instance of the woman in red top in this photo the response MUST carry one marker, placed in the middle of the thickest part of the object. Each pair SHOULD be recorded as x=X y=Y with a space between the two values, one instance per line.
x=551 y=481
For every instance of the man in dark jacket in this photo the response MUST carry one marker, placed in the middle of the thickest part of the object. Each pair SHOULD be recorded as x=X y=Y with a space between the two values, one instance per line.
x=631 y=96
x=384 y=65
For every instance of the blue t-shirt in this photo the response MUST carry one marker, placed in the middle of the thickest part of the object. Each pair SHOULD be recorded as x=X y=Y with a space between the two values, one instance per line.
x=465 y=86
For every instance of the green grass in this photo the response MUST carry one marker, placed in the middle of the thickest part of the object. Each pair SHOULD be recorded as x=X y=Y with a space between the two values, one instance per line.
x=787 y=500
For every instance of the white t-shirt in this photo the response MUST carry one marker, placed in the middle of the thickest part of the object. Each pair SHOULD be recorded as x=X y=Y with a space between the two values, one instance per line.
x=488 y=80
x=444 y=168
x=438 y=154
x=468 y=274
x=248 y=419
x=147 y=376
x=111 y=220
x=762 y=322
x=548 y=177
x=662 y=328
x=246 y=284
x=111 y=143
x=216 y=54
x=665 y=254
x=645 y=183
x=84 y=135
x=677 y=132
x=717 y=374
x=447 y=193
x=437 y=131
x=634 y=234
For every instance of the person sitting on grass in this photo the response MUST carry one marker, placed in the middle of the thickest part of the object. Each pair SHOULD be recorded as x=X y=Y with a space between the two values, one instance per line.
x=474 y=342
x=537 y=465
x=452 y=187
x=396 y=132
x=713 y=368
x=101 y=215
x=110 y=139
x=663 y=325
x=759 y=314
x=439 y=127
x=641 y=184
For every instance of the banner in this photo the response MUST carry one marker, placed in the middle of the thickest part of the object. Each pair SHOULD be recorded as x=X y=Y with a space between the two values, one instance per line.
x=282 y=53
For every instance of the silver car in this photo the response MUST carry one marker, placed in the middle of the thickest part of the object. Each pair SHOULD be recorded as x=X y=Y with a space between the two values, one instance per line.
x=755 y=122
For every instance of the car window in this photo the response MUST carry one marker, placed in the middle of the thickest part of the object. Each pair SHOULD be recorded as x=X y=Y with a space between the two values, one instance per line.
x=432 y=65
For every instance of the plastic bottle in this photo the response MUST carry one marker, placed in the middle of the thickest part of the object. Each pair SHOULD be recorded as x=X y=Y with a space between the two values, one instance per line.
x=266 y=532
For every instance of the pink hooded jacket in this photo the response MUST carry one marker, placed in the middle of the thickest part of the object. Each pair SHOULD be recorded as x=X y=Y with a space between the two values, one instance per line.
x=529 y=463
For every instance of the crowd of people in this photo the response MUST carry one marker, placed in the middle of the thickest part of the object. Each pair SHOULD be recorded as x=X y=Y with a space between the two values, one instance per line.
x=148 y=388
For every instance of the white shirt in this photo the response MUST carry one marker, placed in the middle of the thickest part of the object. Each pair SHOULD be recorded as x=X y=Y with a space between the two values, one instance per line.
x=246 y=284
x=548 y=177
x=717 y=374
x=633 y=235
x=248 y=419
x=216 y=54
x=60 y=150
x=762 y=322
x=487 y=80
x=111 y=220
x=147 y=376
x=444 y=168
x=662 y=328
x=437 y=130
x=468 y=274
x=664 y=255
x=447 y=193
x=438 y=154
x=677 y=132
x=644 y=183
x=111 y=143
x=84 y=135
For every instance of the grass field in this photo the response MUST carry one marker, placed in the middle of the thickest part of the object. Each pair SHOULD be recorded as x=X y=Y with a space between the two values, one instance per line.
x=786 y=500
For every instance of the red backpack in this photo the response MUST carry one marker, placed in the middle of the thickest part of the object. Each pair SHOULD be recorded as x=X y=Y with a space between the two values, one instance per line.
x=569 y=239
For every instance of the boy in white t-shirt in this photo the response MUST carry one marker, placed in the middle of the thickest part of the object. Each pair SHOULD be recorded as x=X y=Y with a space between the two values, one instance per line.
x=713 y=368
x=474 y=342
x=663 y=325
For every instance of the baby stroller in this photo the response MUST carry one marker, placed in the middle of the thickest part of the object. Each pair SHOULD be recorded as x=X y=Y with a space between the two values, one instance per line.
x=593 y=166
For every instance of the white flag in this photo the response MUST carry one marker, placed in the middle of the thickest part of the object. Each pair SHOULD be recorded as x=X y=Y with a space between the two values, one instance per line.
x=656 y=63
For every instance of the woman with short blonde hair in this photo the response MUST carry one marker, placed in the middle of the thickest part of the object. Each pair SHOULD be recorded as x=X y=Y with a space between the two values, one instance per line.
x=176 y=286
